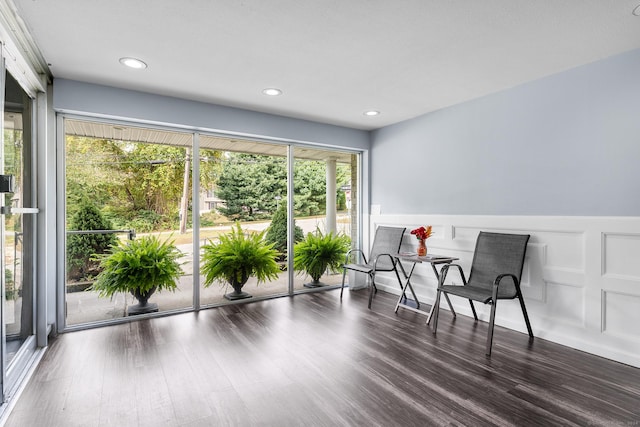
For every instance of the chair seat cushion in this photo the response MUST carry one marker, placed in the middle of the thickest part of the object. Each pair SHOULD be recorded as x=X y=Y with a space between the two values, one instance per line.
x=470 y=292
x=364 y=268
x=477 y=293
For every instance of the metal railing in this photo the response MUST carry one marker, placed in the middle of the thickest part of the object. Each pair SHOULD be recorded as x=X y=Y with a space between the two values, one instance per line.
x=131 y=233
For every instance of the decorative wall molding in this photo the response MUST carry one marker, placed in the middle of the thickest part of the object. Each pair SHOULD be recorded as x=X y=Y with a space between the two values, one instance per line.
x=581 y=279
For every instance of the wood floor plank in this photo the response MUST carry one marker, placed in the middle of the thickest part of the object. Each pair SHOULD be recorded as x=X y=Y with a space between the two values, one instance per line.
x=314 y=360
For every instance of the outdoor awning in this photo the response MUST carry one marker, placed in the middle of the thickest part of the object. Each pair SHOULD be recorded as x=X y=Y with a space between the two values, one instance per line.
x=117 y=132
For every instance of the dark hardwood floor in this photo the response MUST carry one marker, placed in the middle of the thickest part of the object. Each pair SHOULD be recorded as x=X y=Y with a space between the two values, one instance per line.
x=314 y=361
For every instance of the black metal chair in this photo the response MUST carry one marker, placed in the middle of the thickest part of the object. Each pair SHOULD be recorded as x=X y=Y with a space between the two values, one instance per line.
x=495 y=274
x=386 y=245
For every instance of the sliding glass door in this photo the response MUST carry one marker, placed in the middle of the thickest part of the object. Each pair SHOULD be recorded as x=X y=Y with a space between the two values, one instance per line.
x=17 y=233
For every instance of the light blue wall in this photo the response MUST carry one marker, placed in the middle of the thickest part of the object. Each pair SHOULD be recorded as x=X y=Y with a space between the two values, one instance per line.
x=568 y=144
x=84 y=98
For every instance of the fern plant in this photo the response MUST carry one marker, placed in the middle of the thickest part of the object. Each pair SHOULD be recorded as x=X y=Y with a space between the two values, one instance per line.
x=236 y=258
x=139 y=266
x=319 y=252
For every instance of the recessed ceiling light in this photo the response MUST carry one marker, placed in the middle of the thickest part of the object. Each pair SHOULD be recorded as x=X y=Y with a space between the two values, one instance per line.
x=371 y=113
x=133 y=63
x=272 y=91
x=636 y=11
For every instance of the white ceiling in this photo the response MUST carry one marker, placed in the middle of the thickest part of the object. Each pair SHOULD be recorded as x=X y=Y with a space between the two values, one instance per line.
x=333 y=59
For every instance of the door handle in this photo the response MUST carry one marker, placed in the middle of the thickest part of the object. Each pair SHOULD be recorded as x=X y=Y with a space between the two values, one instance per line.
x=7 y=184
x=5 y=210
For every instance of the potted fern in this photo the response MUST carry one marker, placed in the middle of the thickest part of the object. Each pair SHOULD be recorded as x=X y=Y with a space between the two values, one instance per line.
x=319 y=252
x=141 y=267
x=237 y=257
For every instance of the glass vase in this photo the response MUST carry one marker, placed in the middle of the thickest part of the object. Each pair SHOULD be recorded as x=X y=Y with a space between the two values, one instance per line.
x=422 y=248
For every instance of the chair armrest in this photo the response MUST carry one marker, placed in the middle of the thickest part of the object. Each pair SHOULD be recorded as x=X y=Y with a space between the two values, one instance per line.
x=496 y=283
x=445 y=270
x=391 y=257
x=502 y=276
x=351 y=251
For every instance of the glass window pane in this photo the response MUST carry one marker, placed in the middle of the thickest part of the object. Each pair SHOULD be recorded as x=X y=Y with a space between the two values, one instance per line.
x=325 y=207
x=244 y=183
x=125 y=186
x=17 y=229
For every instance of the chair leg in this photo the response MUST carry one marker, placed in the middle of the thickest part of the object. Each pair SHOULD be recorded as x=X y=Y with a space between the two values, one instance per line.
x=524 y=311
x=473 y=309
x=373 y=288
x=490 y=332
x=344 y=274
x=436 y=307
x=370 y=297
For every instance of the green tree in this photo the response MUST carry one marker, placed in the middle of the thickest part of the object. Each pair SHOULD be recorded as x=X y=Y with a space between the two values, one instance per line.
x=139 y=184
x=88 y=175
x=81 y=247
x=277 y=231
x=249 y=183
x=151 y=176
x=310 y=186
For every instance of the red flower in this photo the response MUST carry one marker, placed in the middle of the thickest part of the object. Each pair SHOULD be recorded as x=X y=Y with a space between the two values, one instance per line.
x=422 y=233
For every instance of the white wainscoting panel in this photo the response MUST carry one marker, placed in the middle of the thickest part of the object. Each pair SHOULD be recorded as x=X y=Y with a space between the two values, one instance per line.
x=581 y=279
x=621 y=315
x=619 y=256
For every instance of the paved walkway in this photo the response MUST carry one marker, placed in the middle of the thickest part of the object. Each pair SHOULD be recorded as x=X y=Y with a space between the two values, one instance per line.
x=87 y=306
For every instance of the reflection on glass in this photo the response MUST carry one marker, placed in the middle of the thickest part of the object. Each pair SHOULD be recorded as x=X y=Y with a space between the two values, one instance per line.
x=17 y=229
x=18 y=292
